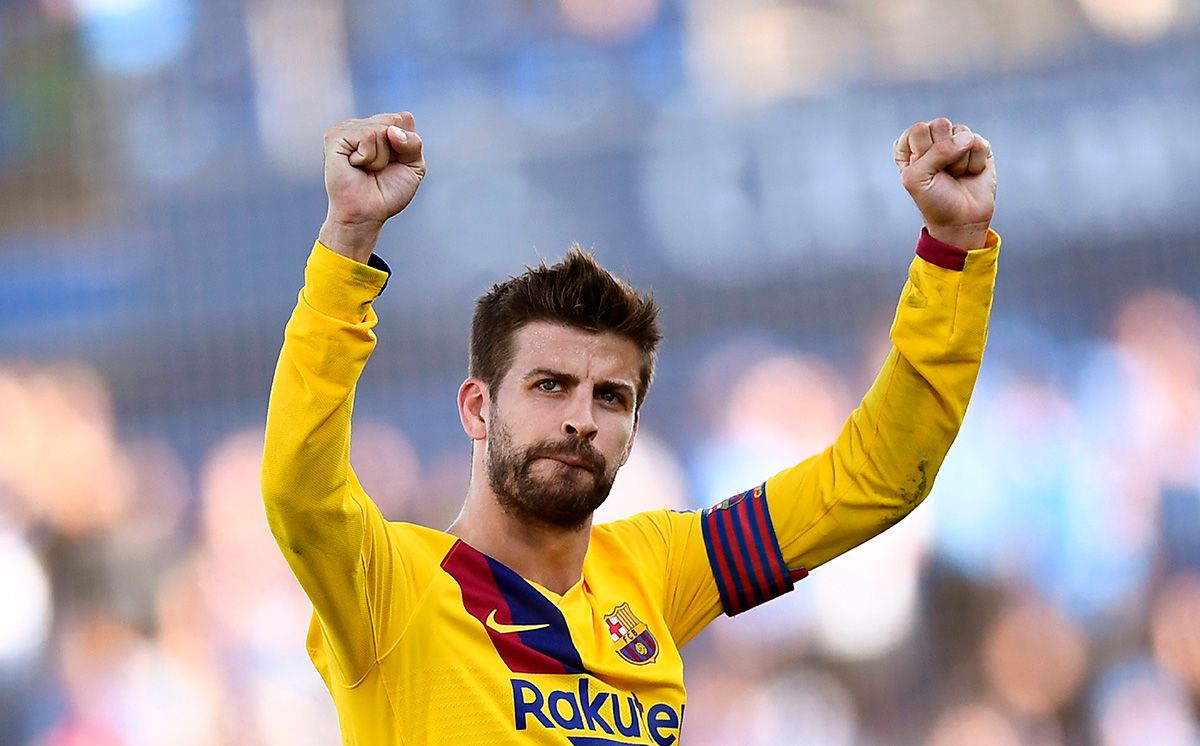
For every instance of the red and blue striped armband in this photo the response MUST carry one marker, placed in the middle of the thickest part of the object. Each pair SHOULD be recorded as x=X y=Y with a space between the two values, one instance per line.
x=744 y=552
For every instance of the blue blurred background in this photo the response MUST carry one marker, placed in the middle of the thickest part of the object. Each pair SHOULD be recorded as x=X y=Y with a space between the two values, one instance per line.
x=160 y=187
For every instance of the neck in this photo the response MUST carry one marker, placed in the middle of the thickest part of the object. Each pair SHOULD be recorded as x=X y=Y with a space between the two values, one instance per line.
x=547 y=555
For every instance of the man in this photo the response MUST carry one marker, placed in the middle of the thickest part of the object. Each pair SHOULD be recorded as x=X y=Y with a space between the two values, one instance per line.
x=523 y=622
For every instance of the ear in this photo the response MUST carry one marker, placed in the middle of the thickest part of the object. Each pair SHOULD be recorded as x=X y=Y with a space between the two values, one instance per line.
x=474 y=407
x=629 y=445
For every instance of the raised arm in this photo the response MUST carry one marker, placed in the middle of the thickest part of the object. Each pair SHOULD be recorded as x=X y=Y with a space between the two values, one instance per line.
x=751 y=547
x=331 y=533
x=883 y=463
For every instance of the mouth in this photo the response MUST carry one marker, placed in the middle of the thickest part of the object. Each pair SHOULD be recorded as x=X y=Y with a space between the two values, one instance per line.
x=572 y=461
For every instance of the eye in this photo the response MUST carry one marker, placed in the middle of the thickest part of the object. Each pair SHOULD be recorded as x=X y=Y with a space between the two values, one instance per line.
x=549 y=385
x=611 y=397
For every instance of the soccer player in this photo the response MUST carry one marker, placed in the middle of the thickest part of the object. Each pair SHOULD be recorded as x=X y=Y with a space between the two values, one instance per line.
x=522 y=622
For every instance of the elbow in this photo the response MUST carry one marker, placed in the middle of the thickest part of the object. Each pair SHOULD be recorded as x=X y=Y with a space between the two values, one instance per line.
x=915 y=488
x=899 y=491
x=274 y=490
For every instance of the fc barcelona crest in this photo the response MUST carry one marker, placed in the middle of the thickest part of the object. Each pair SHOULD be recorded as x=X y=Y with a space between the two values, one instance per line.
x=631 y=636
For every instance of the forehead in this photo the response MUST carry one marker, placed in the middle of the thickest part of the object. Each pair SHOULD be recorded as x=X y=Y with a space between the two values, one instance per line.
x=568 y=349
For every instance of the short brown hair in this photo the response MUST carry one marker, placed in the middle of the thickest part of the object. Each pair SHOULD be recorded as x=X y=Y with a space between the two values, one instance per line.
x=576 y=291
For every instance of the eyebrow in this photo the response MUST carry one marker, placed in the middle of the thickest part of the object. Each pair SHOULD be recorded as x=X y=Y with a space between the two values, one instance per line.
x=610 y=385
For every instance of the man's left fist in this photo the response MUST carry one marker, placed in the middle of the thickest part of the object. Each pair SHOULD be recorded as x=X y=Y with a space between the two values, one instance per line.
x=951 y=175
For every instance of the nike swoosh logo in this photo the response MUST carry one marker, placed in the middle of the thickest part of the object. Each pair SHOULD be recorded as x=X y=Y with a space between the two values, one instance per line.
x=505 y=629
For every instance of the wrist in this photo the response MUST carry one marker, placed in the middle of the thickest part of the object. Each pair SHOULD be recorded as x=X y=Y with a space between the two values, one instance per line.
x=355 y=240
x=971 y=236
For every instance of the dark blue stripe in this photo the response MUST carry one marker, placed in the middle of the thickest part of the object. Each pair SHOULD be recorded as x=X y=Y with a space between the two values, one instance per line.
x=528 y=606
x=754 y=591
x=769 y=581
x=725 y=532
x=785 y=582
x=708 y=524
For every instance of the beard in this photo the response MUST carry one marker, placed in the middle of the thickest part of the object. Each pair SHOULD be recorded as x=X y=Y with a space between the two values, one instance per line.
x=565 y=497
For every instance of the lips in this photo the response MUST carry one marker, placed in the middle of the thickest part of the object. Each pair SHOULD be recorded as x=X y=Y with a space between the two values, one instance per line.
x=577 y=463
x=571 y=459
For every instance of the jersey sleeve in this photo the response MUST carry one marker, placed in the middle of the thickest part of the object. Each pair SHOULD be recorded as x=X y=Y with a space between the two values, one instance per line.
x=754 y=546
x=332 y=534
x=884 y=460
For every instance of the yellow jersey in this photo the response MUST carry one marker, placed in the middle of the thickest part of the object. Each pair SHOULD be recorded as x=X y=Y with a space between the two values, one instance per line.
x=422 y=639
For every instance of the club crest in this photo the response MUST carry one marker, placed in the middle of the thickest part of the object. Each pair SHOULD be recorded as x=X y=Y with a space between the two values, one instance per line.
x=631 y=636
x=728 y=503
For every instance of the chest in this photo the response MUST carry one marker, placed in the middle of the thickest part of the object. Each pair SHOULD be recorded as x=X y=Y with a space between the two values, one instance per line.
x=595 y=662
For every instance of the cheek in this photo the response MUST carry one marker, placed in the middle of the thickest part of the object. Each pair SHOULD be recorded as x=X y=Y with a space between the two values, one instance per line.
x=528 y=419
x=620 y=432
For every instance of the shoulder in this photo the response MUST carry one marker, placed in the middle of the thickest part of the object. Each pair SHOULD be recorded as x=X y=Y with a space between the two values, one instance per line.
x=652 y=529
x=419 y=543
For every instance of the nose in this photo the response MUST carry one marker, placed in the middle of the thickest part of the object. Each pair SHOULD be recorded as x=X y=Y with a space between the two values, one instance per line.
x=580 y=422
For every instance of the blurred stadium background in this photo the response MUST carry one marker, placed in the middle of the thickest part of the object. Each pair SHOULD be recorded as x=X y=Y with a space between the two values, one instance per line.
x=160 y=186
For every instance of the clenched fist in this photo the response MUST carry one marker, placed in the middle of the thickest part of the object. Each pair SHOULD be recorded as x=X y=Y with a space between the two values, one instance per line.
x=372 y=170
x=951 y=175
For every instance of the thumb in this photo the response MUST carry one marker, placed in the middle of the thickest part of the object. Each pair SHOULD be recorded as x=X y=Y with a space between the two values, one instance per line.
x=406 y=145
x=943 y=154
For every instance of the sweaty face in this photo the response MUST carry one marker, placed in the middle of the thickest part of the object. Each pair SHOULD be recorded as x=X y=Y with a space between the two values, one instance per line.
x=562 y=421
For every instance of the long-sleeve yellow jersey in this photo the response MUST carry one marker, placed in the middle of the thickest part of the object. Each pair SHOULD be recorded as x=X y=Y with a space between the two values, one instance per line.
x=422 y=639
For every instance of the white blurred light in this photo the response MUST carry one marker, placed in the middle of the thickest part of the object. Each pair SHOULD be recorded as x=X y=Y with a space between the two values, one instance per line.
x=302 y=77
x=25 y=589
x=780 y=409
x=799 y=399
x=159 y=700
x=1139 y=705
x=652 y=478
x=386 y=464
x=291 y=715
x=921 y=41
x=866 y=600
x=95 y=8
x=134 y=36
x=608 y=20
x=976 y=724
x=806 y=707
x=1133 y=20
x=758 y=52
x=290 y=706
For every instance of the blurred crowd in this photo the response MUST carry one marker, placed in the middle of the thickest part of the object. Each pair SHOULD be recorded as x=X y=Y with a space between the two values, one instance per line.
x=160 y=183
x=1048 y=592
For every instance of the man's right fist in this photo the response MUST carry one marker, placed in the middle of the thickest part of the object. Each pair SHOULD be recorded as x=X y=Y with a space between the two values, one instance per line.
x=372 y=170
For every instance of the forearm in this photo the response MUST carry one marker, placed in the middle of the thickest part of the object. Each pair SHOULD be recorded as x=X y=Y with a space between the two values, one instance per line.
x=883 y=463
x=306 y=467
